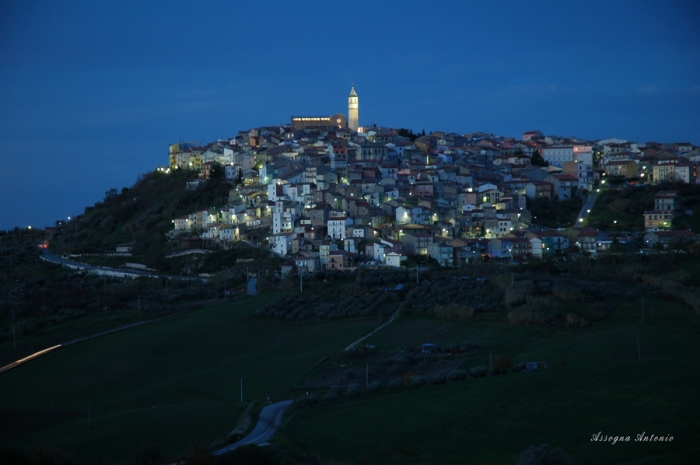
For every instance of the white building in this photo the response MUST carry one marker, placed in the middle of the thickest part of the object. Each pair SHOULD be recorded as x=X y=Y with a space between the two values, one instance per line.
x=557 y=155
x=394 y=259
x=337 y=226
x=284 y=216
x=283 y=243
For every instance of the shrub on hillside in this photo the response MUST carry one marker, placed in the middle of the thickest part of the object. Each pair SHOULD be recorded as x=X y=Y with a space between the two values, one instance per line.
x=572 y=320
x=437 y=298
x=526 y=317
x=395 y=383
x=353 y=390
x=571 y=294
x=517 y=292
x=374 y=386
x=457 y=375
x=329 y=396
x=453 y=312
x=438 y=378
x=478 y=372
x=416 y=381
x=407 y=378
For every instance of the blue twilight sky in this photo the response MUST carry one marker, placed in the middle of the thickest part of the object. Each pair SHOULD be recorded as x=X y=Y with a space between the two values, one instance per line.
x=92 y=92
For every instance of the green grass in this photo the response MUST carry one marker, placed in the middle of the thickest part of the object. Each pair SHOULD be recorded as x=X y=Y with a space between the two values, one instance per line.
x=174 y=383
x=50 y=335
x=595 y=383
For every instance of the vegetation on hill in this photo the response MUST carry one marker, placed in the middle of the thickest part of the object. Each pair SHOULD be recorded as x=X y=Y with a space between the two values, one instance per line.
x=141 y=215
x=623 y=209
x=554 y=214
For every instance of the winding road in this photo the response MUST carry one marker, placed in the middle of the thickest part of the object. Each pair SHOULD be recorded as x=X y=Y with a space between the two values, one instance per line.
x=114 y=272
x=269 y=421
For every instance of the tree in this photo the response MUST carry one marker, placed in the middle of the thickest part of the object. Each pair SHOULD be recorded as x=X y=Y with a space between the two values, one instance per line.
x=502 y=363
x=217 y=172
x=408 y=133
x=537 y=159
x=110 y=194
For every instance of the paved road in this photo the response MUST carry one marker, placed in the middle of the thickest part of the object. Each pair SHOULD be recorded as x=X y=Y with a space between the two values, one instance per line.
x=51 y=257
x=587 y=205
x=269 y=421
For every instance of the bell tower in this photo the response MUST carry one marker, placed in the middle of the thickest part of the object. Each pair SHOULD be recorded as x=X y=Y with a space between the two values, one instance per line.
x=353 y=109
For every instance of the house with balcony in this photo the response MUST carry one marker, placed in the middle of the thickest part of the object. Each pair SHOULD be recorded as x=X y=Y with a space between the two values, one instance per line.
x=442 y=252
x=657 y=220
x=338 y=260
x=325 y=249
x=282 y=243
x=667 y=201
x=622 y=168
x=564 y=186
x=337 y=227
x=538 y=190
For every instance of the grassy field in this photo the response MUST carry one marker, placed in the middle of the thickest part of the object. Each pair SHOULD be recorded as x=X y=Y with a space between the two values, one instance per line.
x=175 y=383
x=595 y=383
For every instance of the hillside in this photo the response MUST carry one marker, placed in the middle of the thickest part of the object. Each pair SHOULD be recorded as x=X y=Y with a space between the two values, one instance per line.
x=444 y=405
x=140 y=215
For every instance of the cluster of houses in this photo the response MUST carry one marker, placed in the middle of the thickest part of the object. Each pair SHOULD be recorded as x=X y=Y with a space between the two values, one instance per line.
x=334 y=197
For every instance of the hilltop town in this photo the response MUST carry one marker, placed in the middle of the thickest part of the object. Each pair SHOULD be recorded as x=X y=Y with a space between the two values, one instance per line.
x=327 y=193
x=582 y=268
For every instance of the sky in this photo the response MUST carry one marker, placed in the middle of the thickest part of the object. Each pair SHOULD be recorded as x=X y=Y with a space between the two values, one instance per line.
x=93 y=92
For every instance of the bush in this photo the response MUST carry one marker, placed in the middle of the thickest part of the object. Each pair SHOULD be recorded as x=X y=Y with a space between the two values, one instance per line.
x=333 y=393
x=453 y=312
x=353 y=390
x=394 y=383
x=457 y=375
x=543 y=455
x=416 y=381
x=478 y=372
x=572 y=320
x=407 y=378
x=516 y=293
x=524 y=316
x=312 y=399
x=374 y=386
x=438 y=378
x=571 y=294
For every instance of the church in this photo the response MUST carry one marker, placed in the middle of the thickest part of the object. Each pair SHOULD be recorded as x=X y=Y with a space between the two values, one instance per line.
x=338 y=120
